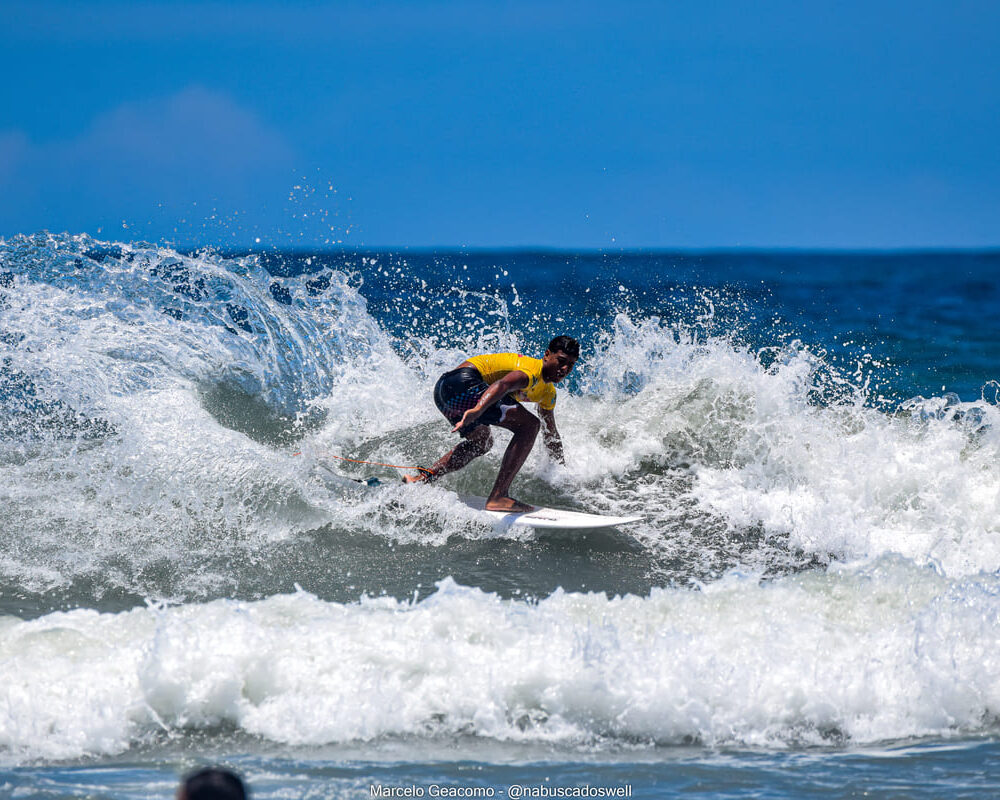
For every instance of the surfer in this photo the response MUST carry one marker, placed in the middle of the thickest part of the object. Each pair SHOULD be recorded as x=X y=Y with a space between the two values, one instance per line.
x=485 y=390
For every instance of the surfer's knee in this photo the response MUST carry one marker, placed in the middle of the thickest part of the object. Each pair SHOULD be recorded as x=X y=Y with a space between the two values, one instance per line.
x=532 y=425
x=484 y=445
x=480 y=441
x=522 y=423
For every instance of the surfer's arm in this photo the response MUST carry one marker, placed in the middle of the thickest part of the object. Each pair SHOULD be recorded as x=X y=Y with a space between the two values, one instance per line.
x=550 y=435
x=511 y=382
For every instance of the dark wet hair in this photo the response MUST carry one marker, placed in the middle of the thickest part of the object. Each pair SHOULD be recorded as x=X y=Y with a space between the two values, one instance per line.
x=214 y=783
x=565 y=344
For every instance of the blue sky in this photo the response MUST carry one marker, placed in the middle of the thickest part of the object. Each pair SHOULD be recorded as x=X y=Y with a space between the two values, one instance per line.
x=555 y=124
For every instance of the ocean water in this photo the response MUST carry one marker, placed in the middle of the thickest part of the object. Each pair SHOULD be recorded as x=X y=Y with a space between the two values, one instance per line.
x=810 y=606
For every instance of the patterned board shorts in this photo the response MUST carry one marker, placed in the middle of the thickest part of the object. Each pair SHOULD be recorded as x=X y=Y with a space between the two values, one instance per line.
x=459 y=390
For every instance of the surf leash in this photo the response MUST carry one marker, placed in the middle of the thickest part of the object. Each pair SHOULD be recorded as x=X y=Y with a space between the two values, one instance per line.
x=428 y=472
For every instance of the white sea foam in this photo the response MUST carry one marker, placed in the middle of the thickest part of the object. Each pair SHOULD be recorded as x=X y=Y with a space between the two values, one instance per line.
x=838 y=479
x=857 y=654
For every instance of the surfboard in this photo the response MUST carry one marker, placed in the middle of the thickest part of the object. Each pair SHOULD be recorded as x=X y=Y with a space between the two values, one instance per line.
x=548 y=518
x=542 y=517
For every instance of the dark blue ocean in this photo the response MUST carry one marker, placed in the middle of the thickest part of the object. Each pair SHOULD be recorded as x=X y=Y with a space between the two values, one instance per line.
x=189 y=574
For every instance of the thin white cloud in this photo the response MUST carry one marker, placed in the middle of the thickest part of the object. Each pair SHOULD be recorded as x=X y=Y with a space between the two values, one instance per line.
x=194 y=130
x=195 y=145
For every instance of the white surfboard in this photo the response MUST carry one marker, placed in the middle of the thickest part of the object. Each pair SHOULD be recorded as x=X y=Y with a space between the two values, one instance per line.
x=548 y=518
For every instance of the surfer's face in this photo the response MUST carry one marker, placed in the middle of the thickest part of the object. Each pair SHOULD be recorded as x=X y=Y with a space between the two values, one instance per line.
x=556 y=366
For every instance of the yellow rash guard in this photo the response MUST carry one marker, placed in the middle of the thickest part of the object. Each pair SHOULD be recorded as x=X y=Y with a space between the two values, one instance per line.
x=493 y=366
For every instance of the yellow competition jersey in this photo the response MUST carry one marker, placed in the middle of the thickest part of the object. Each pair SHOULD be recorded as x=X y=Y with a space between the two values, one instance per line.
x=493 y=366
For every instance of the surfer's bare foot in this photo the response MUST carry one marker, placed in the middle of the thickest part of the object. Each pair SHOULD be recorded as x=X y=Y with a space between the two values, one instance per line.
x=508 y=504
x=425 y=476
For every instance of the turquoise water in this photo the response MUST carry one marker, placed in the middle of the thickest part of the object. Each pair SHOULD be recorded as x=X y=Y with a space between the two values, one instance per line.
x=809 y=607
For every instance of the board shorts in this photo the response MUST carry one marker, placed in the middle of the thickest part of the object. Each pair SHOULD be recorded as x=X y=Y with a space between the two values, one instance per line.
x=459 y=390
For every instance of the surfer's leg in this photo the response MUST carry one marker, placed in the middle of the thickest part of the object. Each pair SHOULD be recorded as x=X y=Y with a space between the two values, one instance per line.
x=478 y=442
x=524 y=425
x=455 y=393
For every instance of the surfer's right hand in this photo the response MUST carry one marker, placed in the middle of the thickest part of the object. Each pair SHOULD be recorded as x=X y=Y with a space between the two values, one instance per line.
x=468 y=417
